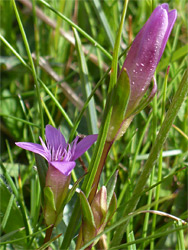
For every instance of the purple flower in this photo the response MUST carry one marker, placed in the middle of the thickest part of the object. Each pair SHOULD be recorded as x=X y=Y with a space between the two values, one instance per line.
x=146 y=51
x=57 y=152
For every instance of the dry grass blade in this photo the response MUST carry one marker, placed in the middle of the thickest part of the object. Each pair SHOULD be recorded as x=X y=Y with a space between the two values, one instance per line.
x=162 y=214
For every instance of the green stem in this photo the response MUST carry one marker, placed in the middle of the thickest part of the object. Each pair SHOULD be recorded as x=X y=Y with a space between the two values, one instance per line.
x=146 y=219
x=162 y=135
x=159 y=176
x=106 y=149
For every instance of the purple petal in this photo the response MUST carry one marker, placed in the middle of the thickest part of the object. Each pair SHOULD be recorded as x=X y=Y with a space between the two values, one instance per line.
x=74 y=145
x=54 y=138
x=65 y=167
x=164 y=6
x=172 y=15
x=83 y=146
x=33 y=147
x=146 y=51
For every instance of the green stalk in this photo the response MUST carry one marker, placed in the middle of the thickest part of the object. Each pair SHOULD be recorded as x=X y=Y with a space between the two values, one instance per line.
x=162 y=135
x=97 y=154
x=32 y=66
x=146 y=219
x=96 y=170
x=159 y=177
x=36 y=34
x=180 y=235
x=19 y=119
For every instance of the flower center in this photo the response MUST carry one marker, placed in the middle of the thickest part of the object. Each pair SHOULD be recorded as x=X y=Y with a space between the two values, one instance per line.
x=59 y=154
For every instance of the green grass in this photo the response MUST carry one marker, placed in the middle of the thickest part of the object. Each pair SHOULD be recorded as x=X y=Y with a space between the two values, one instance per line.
x=76 y=39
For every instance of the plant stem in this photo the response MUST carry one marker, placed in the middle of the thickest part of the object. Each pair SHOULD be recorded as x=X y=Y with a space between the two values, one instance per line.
x=159 y=177
x=106 y=149
x=48 y=234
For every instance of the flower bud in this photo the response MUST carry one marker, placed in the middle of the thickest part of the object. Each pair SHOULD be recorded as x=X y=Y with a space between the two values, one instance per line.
x=140 y=65
x=146 y=51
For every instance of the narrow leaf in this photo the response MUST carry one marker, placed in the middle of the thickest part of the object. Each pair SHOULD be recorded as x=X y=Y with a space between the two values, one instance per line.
x=42 y=170
x=88 y=223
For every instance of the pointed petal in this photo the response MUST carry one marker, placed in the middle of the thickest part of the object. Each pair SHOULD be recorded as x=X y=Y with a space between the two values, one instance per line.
x=172 y=15
x=165 y=6
x=33 y=147
x=83 y=146
x=54 y=138
x=65 y=167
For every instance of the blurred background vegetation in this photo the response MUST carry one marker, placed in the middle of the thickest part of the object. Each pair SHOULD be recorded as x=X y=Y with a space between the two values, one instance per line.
x=65 y=84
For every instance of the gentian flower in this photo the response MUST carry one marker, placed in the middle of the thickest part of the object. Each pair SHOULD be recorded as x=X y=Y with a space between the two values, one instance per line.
x=57 y=152
x=61 y=158
x=146 y=51
x=138 y=70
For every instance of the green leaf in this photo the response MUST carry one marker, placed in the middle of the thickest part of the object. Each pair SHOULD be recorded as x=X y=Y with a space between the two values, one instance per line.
x=120 y=99
x=88 y=223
